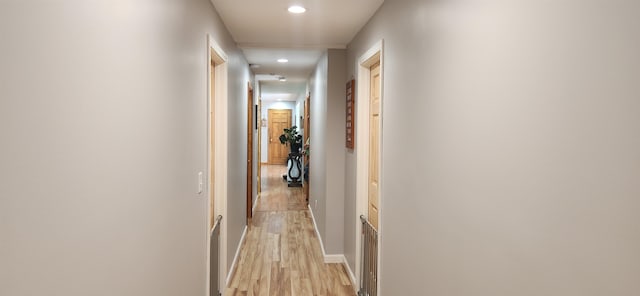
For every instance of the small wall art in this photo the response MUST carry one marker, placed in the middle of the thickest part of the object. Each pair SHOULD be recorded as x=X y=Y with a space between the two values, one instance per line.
x=350 y=124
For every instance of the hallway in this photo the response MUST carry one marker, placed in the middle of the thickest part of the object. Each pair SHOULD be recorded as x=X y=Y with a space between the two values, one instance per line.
x=504 y=158
x=281 y=254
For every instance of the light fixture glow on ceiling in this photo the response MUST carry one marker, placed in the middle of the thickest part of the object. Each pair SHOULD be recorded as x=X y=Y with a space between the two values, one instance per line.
x=283 y=61
x=297 y=9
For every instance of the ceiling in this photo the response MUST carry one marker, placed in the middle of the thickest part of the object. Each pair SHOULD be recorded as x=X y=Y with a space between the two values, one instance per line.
x=296 y=71
x=266 y=32
x=267 y=23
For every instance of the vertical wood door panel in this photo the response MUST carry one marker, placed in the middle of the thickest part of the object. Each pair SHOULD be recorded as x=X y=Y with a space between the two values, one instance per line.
x=374 y=145
x=259 y=145
x=278 y=121
x=250 y=127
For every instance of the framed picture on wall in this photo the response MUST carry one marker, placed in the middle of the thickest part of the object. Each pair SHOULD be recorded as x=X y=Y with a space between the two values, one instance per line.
x=351 y=122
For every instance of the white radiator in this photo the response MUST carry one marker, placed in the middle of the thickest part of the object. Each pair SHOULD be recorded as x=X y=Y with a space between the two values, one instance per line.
x=369 y=271
x=214 y=274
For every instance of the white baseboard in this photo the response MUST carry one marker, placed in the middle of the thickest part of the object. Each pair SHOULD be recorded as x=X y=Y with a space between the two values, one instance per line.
x=352 y=276
x=328 y=258
x=235 y=258
x=335 y=258
x=331 y=258
x=255 y=203
x=315 y=226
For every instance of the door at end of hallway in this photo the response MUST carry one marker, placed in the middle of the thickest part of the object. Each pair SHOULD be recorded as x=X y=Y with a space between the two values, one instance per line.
x=278 y=120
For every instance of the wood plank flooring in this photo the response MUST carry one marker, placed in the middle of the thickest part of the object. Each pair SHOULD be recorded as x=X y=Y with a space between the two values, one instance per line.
x=281 y=254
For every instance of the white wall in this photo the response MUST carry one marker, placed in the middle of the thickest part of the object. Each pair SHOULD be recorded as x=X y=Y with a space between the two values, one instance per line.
x=336 y=147
x=300 y=114
x=317 y=147
x=103 y=116
x=327 y=149
x=237 y=158
x=284 y=105
x=296 y=116
x=511 y=155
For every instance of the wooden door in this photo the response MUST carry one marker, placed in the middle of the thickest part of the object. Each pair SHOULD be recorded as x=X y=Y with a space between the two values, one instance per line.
x=278 y=121
x=250 y=127
x=259 y=141
x=374 y=145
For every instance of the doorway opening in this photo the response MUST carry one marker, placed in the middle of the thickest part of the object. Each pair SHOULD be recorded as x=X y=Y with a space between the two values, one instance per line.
x=259 y=141
x=275 y=117
x=369 y=181
x=306 y=124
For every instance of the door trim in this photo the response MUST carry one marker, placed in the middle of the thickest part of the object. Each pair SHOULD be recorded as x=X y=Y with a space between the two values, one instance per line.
x=369 y=58
x=220 y=153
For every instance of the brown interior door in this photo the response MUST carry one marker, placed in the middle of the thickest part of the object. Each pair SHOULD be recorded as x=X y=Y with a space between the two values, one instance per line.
x=259 y=141
x=250 y=127
x=278 y=121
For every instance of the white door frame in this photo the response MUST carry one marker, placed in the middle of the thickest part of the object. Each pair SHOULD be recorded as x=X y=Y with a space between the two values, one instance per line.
x=216 y=54
x=363 y=66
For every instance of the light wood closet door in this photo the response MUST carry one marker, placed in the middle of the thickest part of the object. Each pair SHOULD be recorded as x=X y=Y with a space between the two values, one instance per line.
x=278 y=121
x=374 y=145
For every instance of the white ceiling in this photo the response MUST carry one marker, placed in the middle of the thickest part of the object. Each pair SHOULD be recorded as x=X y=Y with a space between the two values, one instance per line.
x=301 y=61
x=266 y=32
x=267 y=23
x=296 y=71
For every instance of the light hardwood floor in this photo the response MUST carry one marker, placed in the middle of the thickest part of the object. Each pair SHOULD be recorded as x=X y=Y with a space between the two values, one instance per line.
x=281 y=254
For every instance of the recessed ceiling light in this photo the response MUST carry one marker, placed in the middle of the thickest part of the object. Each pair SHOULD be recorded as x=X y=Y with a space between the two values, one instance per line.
x=297 y=9
x=283 y=79
x=283 y=61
